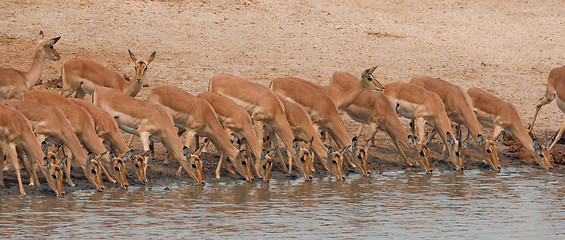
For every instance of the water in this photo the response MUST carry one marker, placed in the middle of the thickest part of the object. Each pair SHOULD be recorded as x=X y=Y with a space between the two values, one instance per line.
x=519 y=203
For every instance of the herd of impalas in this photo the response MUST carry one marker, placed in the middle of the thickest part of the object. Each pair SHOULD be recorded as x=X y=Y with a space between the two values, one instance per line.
x=51 y=129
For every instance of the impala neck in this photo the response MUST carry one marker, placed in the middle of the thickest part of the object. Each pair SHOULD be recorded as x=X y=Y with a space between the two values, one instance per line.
x=32 y=76
x=133 y=88
x=344 y=91
x=520 y=132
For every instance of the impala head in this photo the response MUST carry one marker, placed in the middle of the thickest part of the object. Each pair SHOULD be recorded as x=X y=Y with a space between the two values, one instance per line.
x=542 y=154
x=454 y=150
x=140 y=165
x=335 y=163
x=242 y=163
x=53 y=165
x=140 y=65
x=462 y=146
x=305 y=159
x=94 y=167
x=194 y=168
x=267 y=164
x=359 y=156
x=118 y=164
x=369 y=80
x=491 y=149
x=47 y=46
x=423 y=151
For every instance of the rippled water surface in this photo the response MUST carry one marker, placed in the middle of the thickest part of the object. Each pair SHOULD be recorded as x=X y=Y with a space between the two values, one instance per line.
x=514 y=204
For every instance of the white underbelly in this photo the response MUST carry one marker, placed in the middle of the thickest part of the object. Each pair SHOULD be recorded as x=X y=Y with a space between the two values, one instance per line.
x=408 y=109
x=486 y=119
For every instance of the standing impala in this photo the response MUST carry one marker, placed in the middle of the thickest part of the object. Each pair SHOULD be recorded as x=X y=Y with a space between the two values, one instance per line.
x=503 y=116
x=555 y=88
x=424 y=107
x=16 y=132
x=260 y=102
x=197 y=116
x=376 y=110
x=50 y=124
x=13 y=83
x=303 y=130
x=82 y=75
x=148 y=121
x=107 y=129
x=459 y=109
x=235 y=119
x=323 y=112
x=80 y=121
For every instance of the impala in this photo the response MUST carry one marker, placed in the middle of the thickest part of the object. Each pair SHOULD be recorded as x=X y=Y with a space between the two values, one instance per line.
x=459 y=109
x=235 y=119
x=147 y=121
x=13 y=83
x=321 y=108
x=107 y=129
x=82 y=75
x=80 y=121
x=49 y=123
x=377 y=111
x=503 y=116
x=260 y=102
x=197 y=116
x=16 y=132
x=424 y=107
x=303 y=130
x=555 y=88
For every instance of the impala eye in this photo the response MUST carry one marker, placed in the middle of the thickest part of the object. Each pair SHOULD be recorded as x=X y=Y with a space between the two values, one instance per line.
x=93 y=171
x=370 y=78
x=334 y=161
x=541 y=155
x=457 y=154
x=302 y=159
x=117 y=168
x=264 y=166
x=489 y=151
x=193 y=165
x=422 y=153
x=243 y=163
x=137 y=165
x=54 y=176
x=359 y=156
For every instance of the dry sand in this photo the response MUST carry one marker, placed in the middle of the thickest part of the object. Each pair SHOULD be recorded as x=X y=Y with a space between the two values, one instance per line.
x=504 y=47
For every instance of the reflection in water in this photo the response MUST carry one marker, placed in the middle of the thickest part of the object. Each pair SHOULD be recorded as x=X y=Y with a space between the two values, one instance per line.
x=516 y=204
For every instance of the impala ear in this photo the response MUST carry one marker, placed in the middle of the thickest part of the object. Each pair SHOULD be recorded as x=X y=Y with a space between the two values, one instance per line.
x=112 y=156
x=151 y=57
x=272 y=152
x=536 y=144
x=132 y=56
x=450 y=139
x=500 y=137
x=150 y=151
x=354 y=143
x=40 y=35
x=309 y=144
x=44 y=147
x=198 y=151
x=482 y=139
x=55 y=39
x=296 y=146
x=46 y=162
x=264 y=153
x=413 y=140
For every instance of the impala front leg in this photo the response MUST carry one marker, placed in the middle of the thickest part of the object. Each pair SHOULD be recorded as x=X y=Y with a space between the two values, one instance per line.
x=13 y=155
x=144 y=137
x=546 y=99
